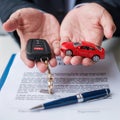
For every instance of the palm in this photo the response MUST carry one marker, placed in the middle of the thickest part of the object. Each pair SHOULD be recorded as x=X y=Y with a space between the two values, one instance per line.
x=31 y=23
x=84 y=23
x=37 y=25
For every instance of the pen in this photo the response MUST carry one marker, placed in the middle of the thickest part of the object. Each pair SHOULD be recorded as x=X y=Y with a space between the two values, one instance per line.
x=87 y=96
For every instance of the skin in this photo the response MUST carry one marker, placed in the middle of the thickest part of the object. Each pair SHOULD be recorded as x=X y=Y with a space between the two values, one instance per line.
x=90 y=22
x=31 y=23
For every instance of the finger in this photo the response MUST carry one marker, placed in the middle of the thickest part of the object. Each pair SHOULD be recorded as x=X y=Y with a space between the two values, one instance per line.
x=76 y=60
x=56 y=47
x=42 y=67
x=53 y=62
x=67 y=60
x=87 y=62
x=107 y=24
x=11 y=24
x=28 y=62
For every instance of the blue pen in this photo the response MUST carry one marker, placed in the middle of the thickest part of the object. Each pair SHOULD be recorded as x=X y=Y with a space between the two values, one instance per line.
x=87 y=96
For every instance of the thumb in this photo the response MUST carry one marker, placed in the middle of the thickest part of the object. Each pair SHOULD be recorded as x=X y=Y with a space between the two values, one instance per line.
x=107 y=24
x=11 y=24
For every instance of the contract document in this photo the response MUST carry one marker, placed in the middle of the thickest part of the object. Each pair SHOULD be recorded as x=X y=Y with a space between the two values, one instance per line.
x=26 y=87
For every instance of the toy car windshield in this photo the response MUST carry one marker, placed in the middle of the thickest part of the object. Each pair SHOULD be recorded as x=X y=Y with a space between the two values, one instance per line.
x=76 y=44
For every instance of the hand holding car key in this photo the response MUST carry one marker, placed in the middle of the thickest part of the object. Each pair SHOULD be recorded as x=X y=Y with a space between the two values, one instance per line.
x=39 y=50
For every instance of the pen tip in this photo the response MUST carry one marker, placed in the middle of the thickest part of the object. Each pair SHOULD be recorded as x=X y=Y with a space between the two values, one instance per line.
x=37 y=108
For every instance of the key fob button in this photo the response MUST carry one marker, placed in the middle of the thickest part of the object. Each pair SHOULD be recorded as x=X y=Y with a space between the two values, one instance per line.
x=37 y=50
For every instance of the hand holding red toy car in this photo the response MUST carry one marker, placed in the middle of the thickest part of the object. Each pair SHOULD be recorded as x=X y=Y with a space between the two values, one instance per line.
x=83 y=49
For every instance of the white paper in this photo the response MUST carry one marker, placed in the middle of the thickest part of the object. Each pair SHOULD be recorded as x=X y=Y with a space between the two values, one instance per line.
x=23 y=86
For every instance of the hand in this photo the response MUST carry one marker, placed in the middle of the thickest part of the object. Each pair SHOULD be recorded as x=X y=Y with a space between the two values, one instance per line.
x=90 y=22
x=31 y=23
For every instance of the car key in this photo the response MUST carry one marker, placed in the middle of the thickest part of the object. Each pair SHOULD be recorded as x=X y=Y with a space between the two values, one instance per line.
x=39 y=50
x=50 y=79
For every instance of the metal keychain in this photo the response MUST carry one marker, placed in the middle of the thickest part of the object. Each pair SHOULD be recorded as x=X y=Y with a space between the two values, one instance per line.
x=50 y=79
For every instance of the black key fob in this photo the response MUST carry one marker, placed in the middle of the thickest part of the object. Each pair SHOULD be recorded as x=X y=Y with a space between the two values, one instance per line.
x=38 y=50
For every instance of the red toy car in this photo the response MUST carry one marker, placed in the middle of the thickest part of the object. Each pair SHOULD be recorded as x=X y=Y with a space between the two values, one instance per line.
x=84 y=49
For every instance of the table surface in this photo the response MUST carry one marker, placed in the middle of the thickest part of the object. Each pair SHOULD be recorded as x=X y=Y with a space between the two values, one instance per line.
x=8 y=46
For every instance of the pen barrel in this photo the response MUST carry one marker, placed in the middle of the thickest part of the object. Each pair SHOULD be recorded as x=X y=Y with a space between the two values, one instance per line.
x=97 y=94
x=61 y=102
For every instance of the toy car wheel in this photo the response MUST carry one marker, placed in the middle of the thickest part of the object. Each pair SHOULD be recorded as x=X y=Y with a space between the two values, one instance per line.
x=69 y=53
x=95 y=58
